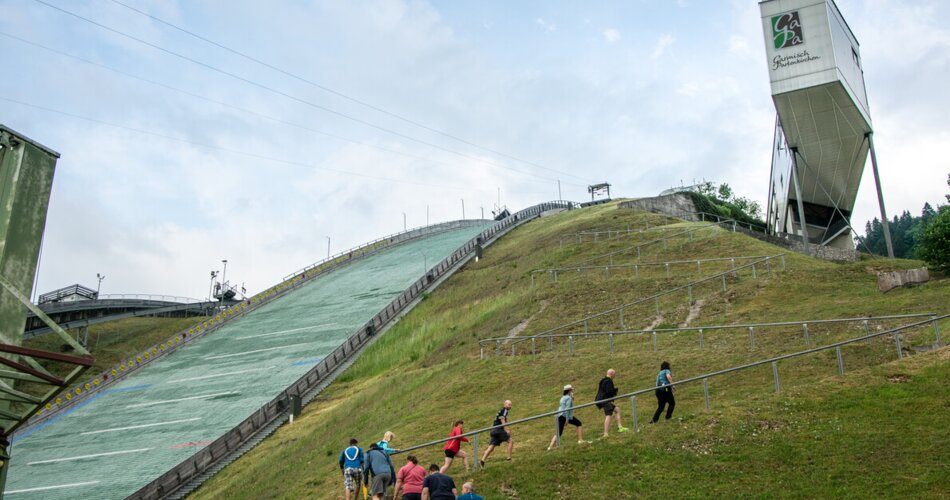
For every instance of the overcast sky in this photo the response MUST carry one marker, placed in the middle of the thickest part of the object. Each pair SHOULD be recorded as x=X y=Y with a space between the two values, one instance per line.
x=169 y=165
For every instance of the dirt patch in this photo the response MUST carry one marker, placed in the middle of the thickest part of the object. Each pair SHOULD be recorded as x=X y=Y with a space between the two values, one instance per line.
x=899 y=379
x=694 y=311
x=656 y=322
x=520 y=327
x=770 y=425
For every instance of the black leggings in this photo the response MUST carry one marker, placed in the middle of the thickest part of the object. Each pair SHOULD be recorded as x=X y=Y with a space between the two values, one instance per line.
x=664 y=397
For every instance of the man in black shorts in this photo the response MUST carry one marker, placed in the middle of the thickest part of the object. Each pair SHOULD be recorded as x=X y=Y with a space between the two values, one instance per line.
x=606 y=390
x=500 y=434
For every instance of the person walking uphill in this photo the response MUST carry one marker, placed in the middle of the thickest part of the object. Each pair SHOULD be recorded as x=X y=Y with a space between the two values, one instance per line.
x=380 y=468
x=501 y=434
x=606 y=390
x=409 y=480
x=664 y=392
x=566 y=416
x=351 y=463
x=383 y=444
x=453 y=447
x=438 y=486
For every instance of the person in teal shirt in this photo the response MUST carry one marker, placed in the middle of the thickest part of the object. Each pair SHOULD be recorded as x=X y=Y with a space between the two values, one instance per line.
x=468 y=492
x=664 y=392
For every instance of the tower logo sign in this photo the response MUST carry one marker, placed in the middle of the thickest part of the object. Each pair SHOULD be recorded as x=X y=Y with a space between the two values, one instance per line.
x=787 y=30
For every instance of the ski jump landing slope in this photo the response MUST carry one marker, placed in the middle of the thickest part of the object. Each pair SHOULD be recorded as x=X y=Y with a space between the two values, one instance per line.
x=123 y=438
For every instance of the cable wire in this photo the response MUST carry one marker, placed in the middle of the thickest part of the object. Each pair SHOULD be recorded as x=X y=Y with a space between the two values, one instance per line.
x=284 y=94
x=336 y=92
x=220 y=103
x=228 y=150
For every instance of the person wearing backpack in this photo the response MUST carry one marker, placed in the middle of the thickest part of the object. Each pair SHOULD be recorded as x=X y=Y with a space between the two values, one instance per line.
x=380 y=468
x=351 y=464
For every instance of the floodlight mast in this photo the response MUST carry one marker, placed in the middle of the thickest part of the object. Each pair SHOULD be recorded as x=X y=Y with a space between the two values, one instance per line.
x=823 y=127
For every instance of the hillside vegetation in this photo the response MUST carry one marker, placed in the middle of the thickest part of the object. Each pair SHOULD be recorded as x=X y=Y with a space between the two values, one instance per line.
x=880 y=428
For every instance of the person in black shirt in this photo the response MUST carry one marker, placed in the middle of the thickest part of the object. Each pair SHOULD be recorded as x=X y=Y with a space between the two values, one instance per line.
x=606 y=390
x=500 y=434
x=438 y=486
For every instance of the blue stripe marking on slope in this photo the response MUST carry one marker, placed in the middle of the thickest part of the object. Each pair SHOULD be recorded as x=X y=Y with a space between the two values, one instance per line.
x=130 y=388
x=55 y=419
x=78 y=406
x=307 y=362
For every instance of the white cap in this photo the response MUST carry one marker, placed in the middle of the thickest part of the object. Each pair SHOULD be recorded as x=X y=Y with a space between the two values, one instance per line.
x=568 y=387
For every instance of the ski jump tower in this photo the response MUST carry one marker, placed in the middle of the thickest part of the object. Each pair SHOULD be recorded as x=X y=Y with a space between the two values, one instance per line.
x=823 y=130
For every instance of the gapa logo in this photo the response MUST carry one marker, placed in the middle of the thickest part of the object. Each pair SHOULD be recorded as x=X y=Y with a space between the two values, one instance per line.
x=787 y=30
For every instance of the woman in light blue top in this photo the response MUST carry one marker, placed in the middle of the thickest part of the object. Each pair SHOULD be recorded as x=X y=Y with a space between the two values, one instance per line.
x=566 y=415
x=664 y=392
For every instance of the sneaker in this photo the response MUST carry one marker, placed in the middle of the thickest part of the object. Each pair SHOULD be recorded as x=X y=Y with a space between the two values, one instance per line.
x=584 y=442
x=481 y=463
x=622 y=429
x=605 y=436
x=550 y=448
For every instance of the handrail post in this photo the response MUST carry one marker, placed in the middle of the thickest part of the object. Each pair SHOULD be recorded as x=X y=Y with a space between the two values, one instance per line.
x=654 y=341
x=497 y=348
x=481 y=355
x=570 y=344
x=657 y=298
x=768 y=265
x=611 y=336
x=807 y=337
x=475 y=452
x=699 y=268
x=706 y=391
x=724 y=282
x=936 y=332
x=532 y=279
x=633 y=404
x=897 y=342
x=622 y=325
x=689 y=291
x=753 y=271
x=667 y=265
x=775 y=374
x=512 y=349
x=840 y=361
x=551 y=343
x=606 y=272
x=533 y=352
x=783 y=261
x=752 y=337
x=702 y=342
x=585 y=326
x=555 y=275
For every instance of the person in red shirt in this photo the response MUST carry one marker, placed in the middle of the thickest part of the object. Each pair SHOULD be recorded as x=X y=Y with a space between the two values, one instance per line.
x=453 y=447
x=409 y=480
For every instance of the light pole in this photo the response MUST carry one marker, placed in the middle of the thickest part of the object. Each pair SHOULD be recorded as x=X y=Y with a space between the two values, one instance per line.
x=224 y=276
x=404 y=221
x=483 y=212
x=463 y=208
x=328 y=248
x=211 y=286
x=427 y=215
x=100 y=277
x=559 y=198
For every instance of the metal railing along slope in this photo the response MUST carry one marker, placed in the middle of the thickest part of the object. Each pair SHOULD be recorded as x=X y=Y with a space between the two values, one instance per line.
x=553 y=271
x=704 y=378
x=750 y=328
x=189 y=473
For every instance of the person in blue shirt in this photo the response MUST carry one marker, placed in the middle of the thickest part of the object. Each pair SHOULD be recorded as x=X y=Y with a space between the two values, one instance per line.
x=351 y=463
x=664 y=392
x=388 y=437
x=468 y=492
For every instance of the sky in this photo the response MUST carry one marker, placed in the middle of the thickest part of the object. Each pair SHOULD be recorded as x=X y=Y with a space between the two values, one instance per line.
x=279 y=130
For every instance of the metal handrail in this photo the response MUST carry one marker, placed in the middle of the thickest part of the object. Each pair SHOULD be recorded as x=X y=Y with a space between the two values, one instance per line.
x=804 y=323
x=637 y=247
x=143 y=296
x=836 y=345
x=645 y=264
x=656 y=296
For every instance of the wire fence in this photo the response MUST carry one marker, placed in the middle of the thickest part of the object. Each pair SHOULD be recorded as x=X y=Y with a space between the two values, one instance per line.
x=705 y=378
x=806 y=327
x=667 y=267
x=753 y=269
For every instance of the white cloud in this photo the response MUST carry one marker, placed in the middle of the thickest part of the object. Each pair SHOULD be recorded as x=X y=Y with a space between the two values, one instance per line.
x=547 y=27
x=663 y=43
x=612 y=35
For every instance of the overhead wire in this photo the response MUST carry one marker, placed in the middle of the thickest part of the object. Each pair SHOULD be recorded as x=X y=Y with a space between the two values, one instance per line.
x=336 y=92
x=224 y=149
x=220 y=103
x=284 y=94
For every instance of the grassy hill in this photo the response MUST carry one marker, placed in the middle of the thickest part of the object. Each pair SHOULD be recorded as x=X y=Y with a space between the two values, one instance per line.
x=876 y=430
